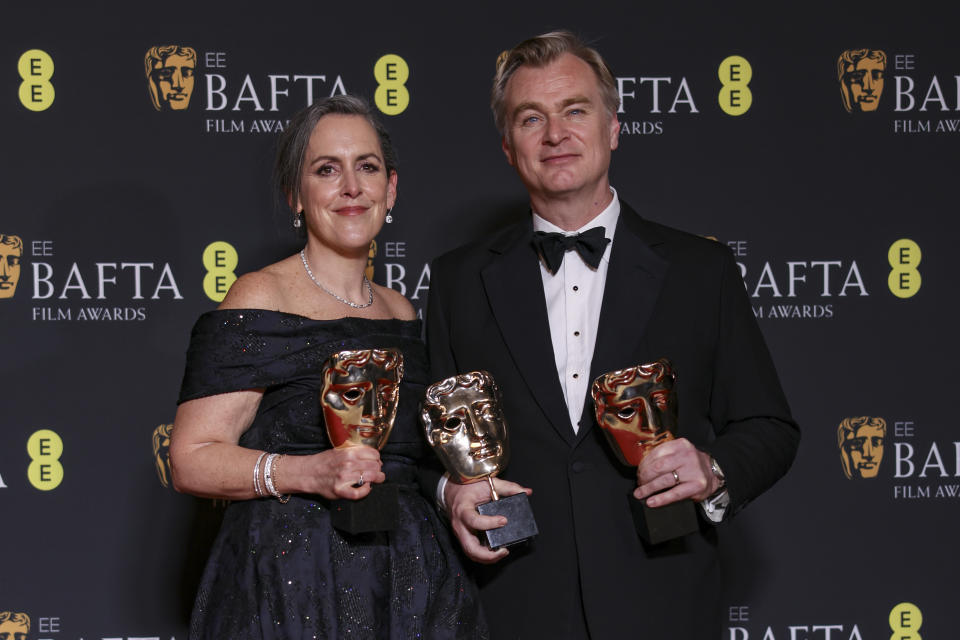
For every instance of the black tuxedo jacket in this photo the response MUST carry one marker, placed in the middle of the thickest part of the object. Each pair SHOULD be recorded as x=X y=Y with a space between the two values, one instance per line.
x=668 y=294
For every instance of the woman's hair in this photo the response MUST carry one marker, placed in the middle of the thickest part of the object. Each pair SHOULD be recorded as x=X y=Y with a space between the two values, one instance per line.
x=292 y=143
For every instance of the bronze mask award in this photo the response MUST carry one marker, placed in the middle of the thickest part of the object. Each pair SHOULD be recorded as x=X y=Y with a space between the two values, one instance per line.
x=637 y=410
x=465 y=426
x=359 y=401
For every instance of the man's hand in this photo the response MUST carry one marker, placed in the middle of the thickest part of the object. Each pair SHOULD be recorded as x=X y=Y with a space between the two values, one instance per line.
x=679 y=470
x=467 y=523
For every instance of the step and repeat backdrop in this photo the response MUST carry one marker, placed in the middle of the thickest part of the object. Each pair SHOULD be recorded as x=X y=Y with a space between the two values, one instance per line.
x=821 y=146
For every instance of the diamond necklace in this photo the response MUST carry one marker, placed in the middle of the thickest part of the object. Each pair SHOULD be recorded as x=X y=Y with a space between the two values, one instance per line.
x=303 y=258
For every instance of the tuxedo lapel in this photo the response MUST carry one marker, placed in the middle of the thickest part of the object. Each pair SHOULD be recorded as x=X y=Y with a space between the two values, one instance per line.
x=514 y=288
x=634 y=278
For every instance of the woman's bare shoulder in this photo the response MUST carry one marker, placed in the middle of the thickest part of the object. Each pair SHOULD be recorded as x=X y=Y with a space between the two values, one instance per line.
x=399 y=306
x=263 y=289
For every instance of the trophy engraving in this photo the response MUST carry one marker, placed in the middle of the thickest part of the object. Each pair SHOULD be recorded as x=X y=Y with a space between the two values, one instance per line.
x=637 y=410
x=464 y=424
x=359 y=400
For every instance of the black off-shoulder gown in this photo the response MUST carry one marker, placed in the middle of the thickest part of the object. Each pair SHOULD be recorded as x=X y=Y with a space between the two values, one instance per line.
x=280 y=570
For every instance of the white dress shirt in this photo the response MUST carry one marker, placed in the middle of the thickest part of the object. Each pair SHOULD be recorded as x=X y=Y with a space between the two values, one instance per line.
x=574 y=295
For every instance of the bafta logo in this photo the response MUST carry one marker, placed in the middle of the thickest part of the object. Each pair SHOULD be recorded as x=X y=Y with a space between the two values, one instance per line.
x=161 y=453
x=860 y=72
x=14 y=626
x=11 y=249
x=371 y=254
x=170 y=73
x=861 y=445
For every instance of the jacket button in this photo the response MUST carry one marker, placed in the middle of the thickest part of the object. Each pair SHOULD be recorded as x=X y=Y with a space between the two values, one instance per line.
x=578 y=466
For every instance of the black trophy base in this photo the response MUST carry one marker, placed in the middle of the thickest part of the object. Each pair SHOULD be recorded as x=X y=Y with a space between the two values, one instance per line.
x=659 y=524
x=379 y=510
x=520 y=523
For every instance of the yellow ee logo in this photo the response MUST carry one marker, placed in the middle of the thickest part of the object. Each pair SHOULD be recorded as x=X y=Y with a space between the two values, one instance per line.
x=220 y=260
x=45 y=471
x=391 y=72
x=904 y=279
x=735 y=74
x=905 y=621
x=36 y=69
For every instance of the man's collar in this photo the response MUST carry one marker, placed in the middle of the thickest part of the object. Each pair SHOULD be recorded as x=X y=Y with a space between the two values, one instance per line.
x=606 y=219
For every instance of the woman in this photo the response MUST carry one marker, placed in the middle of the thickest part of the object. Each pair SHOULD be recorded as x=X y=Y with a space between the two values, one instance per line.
x=250 y=428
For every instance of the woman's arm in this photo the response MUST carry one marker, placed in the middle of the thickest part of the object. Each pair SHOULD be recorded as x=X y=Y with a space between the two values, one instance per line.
x=206 y=460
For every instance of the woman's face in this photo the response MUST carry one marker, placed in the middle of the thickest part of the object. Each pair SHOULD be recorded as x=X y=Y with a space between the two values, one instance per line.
x=345 y=190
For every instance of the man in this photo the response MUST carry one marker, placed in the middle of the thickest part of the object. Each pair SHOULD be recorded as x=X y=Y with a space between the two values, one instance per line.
x=861 y=445
x=170 y=76
x=860 y=72
x=11 y=251
x=545 y=332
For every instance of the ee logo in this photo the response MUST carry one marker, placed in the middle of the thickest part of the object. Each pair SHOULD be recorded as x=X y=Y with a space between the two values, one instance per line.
x=905 y=621
x=36 y=69
x=735 y=74
x=220 y=260
x=391 y=72
x=45 y=448
x=904 y=279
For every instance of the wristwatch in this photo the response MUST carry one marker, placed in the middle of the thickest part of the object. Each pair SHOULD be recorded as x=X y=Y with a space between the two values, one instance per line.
x=718 y=472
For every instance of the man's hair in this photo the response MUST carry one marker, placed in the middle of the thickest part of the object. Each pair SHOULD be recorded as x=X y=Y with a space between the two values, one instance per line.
x=539 y=52
x=340 y=362
x=13 y=241
x=17 y=618
x=853 y=56
x=161 y=53
x=477 y=379
x=292 y=143
x=848 y=428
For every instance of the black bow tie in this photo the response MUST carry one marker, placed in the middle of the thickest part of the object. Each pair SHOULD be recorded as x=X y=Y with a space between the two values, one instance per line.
x=552 y=246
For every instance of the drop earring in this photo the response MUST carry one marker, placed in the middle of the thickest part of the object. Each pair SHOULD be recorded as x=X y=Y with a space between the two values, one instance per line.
x=389 y=217
x=297 y=220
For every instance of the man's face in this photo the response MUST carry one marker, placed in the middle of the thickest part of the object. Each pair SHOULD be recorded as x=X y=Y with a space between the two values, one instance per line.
x=863 y=451
x=558 y=133
x=467 y=430
x=636 y=415
x=9 y=268
x=863 y=84
x=359 y=406
x=10 y=630
x=171 y=81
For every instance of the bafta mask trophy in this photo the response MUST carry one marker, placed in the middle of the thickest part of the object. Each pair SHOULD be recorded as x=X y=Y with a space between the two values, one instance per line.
x=359 y=401
x=465 y=426
x=637 y=410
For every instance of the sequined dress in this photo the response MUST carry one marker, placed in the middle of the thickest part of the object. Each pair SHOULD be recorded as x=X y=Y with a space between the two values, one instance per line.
x=280 y=570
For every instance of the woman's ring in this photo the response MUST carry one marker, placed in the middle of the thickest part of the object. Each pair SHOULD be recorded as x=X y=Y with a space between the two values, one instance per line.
x=676 y=478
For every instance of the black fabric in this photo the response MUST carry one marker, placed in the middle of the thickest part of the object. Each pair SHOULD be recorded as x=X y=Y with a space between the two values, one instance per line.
x=668 y=294
x=280 y=570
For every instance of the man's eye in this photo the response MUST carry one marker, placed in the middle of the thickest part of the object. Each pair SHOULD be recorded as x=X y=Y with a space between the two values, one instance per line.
x=529 y=120
x=352 y=395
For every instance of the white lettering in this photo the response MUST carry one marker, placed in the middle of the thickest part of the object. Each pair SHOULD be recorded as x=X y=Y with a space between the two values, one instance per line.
x=216 y=91
x=904 y=92
x=904 y=452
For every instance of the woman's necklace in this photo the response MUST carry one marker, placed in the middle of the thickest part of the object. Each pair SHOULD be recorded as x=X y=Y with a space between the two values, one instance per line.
x=303 y=258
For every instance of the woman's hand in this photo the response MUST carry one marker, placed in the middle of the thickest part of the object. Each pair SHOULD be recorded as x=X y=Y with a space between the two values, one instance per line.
x=336 y=473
